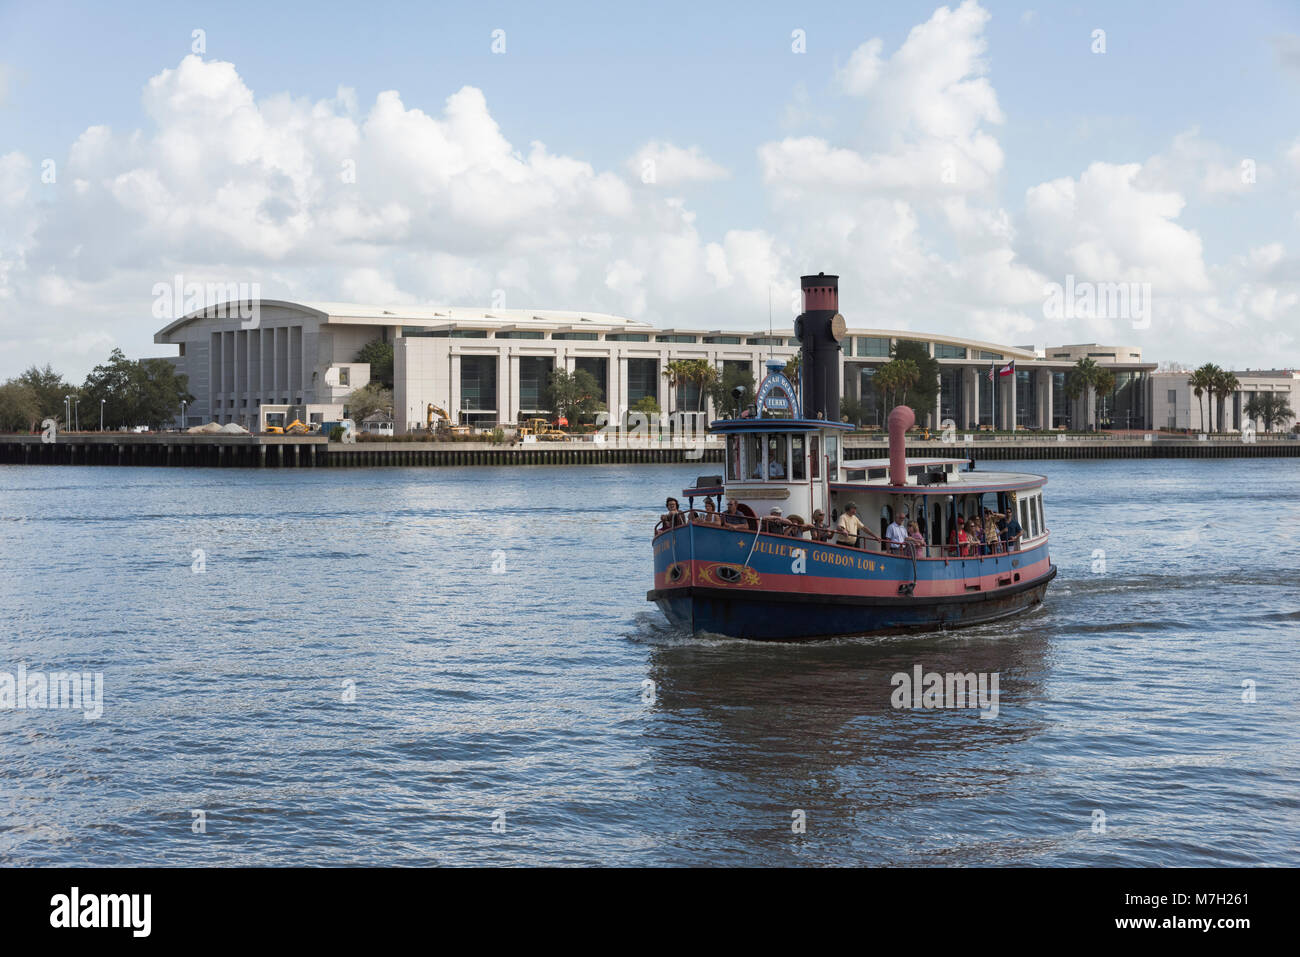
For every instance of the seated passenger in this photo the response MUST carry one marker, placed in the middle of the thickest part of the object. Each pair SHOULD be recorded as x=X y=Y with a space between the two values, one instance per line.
x=733 y=515
x=710 y=516
x=775 y=470
x=674 y=516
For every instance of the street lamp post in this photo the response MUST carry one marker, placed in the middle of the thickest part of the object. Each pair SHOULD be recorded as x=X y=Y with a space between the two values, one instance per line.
x=76 y=418
x=182 y=415
x=67 y=409
x=101 y=414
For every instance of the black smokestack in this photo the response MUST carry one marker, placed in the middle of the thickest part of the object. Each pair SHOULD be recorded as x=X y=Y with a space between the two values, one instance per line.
x=819 y=330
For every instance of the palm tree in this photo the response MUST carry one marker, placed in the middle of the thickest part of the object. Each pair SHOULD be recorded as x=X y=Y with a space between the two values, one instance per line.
x=1270 y=408
x=893 y=379
x=1202 y=381
x=1225 y=384
x=673 y=372
x=1088 y=378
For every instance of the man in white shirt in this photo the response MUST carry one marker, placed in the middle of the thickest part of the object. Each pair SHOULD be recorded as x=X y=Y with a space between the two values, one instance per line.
x=897 y=532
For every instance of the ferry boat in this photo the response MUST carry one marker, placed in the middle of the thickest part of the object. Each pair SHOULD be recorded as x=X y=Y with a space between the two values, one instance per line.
x=754 y=574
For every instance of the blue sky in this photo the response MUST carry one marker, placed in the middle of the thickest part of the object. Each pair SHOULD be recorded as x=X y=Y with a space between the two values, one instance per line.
x=597 y=82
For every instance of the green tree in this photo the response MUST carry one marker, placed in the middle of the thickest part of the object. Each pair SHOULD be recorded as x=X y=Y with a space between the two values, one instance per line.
x=1225 y=384
x=923 y=393
x=1270 y=408
x=159 y=391
x=49 y=388
x=723 y=391
x=380 y=356
x=20 y=408
x=793 y=367
x=1202 y=383
x=148 y=392
x=574 y=396
x=1088 y=378
x=370 y=398
x=894 y=380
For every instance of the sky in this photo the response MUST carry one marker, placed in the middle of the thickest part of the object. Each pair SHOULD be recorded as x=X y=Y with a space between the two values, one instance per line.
x=958 y=166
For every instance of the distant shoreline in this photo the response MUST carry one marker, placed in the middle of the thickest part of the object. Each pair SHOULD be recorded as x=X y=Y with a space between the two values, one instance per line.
x=306 y=451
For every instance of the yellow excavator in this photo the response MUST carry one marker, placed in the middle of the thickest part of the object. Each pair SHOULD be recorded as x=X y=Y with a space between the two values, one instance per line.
x=296 y=427
x=431 y=410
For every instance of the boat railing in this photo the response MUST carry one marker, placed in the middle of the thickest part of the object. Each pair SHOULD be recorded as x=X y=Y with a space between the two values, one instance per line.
x=824 y=535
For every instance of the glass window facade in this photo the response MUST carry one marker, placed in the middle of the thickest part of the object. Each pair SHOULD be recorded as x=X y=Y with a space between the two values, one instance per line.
x=1027 y=399
x=950 y=397
x=872 y=403
x=945 y=351
x=478 y=383
x=627 y=337
x=642 y=379
x=872 y=346
x=723 y=340
x=520 y=334
x=989 y=356
x=582 y=336
x=534 y=377
x=1060 y=404
x=764 y=341
x=674 y=338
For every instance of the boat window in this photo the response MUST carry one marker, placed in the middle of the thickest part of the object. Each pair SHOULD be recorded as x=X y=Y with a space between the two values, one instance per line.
x=798 y=458
x=733 y=458
x=814 y=456
x=778 y=457
x=754 y=456
x=833 y=458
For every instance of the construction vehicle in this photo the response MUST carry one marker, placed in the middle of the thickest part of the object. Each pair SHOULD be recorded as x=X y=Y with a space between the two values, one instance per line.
x=542 y=430
x=296 y=427
x=432 y=410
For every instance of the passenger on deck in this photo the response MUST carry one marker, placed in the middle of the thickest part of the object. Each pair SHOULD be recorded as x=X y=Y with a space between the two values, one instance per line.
x=821 y=532
x=975 y=531
x=896 y=534
x=796 y=527
x=674 y=516
x=992 y=539
x=710 y=516
x=958 y=542
x=774 y=524
x=733 y=515
x=848 y=531
x=1011 y=532
x=915 y=540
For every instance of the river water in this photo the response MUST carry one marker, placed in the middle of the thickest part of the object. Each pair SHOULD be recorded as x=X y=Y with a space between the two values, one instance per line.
x=458 y=666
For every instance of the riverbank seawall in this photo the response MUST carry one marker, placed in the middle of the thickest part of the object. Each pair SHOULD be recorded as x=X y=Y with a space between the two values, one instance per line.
x=292 y=451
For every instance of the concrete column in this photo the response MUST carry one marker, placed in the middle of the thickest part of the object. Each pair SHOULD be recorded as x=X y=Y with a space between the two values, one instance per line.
x=936 y=417
x=505 y=389
x=454 y=408
x=1012 y=418
x=663 y=385
x=620 y=409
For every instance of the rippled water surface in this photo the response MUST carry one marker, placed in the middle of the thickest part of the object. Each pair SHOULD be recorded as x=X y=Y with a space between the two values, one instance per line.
x=524 y=690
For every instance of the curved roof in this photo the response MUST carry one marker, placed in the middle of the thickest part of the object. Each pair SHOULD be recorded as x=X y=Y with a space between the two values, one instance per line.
x=351 y=313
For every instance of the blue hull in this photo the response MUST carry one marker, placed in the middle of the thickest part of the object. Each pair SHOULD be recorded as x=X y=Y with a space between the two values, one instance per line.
x=768 y=617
